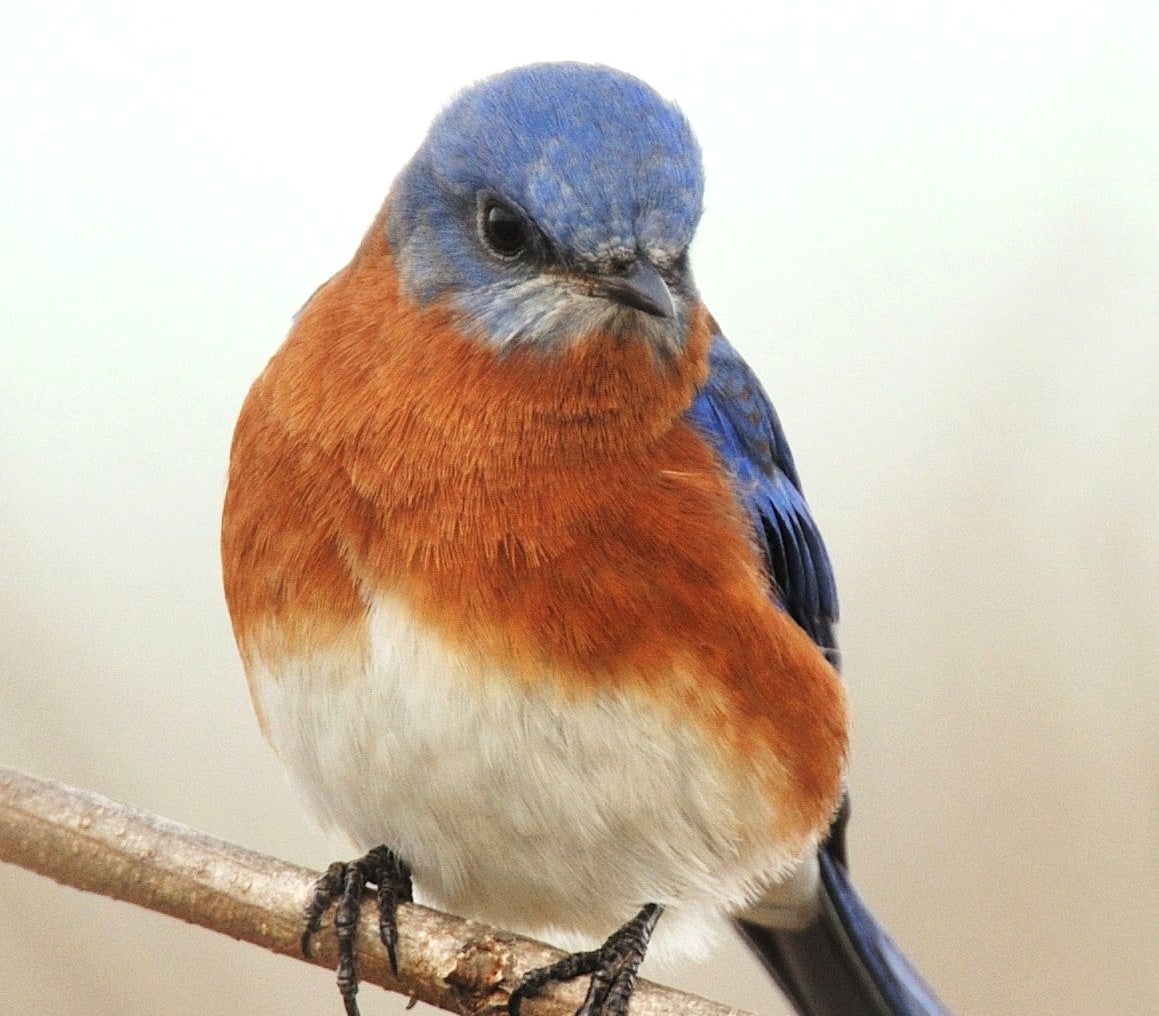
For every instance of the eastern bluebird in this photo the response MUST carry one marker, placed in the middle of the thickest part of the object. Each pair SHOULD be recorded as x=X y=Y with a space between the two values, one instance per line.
x=528 y=596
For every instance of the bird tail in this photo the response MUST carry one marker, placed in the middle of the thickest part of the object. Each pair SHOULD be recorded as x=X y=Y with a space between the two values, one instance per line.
x=837 y=960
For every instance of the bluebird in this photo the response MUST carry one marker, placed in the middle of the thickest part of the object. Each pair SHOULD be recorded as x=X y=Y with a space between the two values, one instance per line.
x=530 y=602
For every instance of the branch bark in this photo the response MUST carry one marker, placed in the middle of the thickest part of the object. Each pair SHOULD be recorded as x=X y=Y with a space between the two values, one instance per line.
x=89 y=842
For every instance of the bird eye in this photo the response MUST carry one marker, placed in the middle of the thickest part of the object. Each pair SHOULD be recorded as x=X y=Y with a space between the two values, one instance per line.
x=504 y=232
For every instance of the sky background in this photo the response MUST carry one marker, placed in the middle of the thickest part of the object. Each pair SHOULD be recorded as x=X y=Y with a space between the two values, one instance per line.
x=933 y=232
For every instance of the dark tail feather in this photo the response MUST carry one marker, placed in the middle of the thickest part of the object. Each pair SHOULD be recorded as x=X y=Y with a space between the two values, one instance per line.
x=842 y=963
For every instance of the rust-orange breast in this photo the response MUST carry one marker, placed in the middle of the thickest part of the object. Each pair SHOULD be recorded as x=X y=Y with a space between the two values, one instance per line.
x=548 y=508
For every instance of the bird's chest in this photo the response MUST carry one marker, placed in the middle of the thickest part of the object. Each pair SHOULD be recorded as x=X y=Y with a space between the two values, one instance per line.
x=530 y=806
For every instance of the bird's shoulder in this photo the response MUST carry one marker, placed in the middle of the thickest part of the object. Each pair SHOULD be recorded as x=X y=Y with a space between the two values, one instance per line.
x=732 y=411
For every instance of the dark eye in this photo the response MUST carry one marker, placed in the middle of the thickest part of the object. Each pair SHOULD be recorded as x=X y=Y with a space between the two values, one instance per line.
x=505 y=232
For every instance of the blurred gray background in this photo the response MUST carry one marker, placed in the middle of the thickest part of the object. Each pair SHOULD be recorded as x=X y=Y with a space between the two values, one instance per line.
x=935 y=234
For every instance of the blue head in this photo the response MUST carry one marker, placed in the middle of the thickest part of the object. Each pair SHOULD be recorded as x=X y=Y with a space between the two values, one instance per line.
x=550 y=201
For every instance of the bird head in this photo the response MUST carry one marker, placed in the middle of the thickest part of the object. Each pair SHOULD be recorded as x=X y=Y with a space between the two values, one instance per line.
x=550 y=202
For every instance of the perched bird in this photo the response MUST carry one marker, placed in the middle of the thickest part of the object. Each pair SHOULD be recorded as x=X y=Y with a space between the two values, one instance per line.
x=528 y=596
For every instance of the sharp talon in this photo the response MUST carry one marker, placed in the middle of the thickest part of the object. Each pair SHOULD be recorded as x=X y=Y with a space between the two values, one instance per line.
x=612 y=966
x=394 y=887
x=345 y=883
x=321 y=896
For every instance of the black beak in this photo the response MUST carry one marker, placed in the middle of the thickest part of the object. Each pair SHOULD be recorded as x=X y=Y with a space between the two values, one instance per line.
x=642 y=288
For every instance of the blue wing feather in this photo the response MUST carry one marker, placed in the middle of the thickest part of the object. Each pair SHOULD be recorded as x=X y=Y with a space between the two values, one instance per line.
x=733 y=412
x=842 y=961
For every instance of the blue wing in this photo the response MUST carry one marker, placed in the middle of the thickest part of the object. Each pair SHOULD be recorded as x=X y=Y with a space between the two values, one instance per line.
x=733 y=412
x=841 y=962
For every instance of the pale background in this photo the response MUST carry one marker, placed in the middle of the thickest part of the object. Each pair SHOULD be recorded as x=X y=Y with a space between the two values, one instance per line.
x=935 y=235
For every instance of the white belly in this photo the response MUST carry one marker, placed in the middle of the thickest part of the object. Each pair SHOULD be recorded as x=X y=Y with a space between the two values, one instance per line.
x=539 y=813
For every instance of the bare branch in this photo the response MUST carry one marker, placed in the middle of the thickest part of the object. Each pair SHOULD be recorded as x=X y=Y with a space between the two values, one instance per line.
x=89 y=842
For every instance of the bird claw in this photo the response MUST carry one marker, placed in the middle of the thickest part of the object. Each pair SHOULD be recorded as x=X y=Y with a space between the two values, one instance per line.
x=345 y=882
x=612 y=967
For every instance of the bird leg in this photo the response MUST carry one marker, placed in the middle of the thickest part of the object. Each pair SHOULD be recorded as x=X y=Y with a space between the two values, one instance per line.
x=612 y=967
x=345 y=881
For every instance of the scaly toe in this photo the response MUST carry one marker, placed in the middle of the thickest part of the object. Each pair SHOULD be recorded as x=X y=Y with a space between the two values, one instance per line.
x=346 y=883
x=612 y=966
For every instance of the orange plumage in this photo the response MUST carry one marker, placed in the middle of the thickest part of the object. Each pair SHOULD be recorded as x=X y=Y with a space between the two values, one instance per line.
x=550 y=510
x=529 y=598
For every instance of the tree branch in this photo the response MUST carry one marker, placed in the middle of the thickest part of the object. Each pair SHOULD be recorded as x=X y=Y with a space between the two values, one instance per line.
x=89 y=842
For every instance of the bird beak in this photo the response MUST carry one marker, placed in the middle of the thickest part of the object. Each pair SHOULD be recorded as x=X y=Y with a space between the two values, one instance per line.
x=642 y=288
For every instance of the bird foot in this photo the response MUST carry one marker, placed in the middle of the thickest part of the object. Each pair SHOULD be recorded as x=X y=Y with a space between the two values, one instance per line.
x=612 y=967
x=345 y=881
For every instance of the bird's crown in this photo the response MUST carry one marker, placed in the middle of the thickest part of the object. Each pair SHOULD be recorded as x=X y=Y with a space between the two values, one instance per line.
x=593 y=155
x=587 y=167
